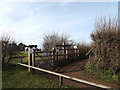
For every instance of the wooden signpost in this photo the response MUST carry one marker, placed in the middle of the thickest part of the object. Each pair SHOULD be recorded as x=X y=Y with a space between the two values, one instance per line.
x=64 y=47
x=31 y=57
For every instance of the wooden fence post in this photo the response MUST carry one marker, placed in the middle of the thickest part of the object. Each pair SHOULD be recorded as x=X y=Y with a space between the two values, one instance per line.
x=64 y=49
x=57 y=54
x=53 y=56
x=66 y=54
x=28 y=58
x=78 y=53
x=33 y=60
x=60 y=81
x=75 y=53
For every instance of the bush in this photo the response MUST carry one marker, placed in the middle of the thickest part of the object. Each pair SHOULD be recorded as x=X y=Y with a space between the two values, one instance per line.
x=106 y=44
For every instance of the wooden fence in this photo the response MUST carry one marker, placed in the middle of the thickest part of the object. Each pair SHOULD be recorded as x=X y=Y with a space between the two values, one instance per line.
x=61 y=76
x=61 y=53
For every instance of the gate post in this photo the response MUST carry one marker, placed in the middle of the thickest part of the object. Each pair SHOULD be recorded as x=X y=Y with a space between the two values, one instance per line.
x=29 y=58
x=64 y=49
x=33 y=60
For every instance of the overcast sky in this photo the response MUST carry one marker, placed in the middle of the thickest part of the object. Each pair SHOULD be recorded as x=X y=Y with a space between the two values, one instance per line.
x=28 y=22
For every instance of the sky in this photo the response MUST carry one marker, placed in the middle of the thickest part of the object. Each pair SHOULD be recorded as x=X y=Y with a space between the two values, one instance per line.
x=28 y=22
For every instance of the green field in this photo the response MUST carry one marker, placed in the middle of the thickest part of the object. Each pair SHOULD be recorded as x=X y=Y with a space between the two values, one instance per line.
x=20 y=78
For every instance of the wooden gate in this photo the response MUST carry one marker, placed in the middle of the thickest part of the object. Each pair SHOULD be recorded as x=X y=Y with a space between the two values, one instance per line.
x=44 y=58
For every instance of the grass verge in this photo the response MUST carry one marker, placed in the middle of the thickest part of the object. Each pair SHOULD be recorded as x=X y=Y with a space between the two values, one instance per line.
x=106 y=75
x=20 y=78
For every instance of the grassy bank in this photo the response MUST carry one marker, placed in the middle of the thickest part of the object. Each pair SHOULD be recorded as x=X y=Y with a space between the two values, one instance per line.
x=20 y=78
x=106 y=75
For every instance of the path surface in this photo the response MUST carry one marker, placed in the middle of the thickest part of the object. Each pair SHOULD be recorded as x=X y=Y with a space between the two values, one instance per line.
x=77 y=70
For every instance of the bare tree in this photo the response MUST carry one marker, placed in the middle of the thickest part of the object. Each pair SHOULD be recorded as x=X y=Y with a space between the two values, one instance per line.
x=51 y=40
x=5 y=40
x=9 y=48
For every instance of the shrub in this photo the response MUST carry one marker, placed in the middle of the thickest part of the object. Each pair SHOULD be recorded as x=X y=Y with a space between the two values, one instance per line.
x=106 y=44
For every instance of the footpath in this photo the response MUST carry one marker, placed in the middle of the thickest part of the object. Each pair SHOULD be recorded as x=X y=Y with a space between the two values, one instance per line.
x=77 y=70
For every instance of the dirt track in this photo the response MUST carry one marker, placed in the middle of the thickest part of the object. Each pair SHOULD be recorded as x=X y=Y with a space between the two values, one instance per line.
x=77 y=70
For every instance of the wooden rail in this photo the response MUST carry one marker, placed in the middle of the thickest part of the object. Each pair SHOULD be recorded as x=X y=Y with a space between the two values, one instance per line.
x=61 y=76
x=19 y=57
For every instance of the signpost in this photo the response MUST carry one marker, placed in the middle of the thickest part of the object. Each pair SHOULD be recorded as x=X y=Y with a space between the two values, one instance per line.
x=64 y=46
x=31 y=56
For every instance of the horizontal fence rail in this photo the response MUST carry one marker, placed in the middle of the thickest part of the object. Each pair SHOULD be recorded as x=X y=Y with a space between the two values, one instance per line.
x=19 y=57
x=53 y=55
x=42 y=51
x=45 y=59
x=67 y=77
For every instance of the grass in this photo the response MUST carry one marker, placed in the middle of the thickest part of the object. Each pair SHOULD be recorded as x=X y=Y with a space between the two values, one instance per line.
x=106 y=75
x=20 y=78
